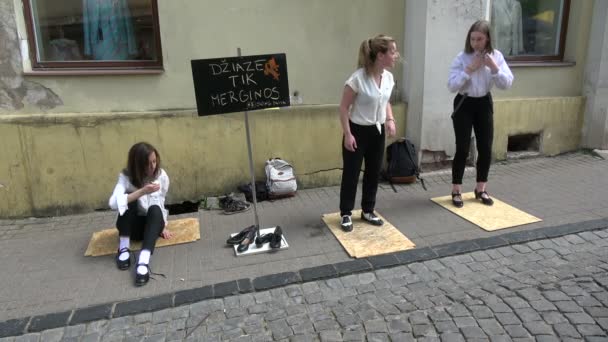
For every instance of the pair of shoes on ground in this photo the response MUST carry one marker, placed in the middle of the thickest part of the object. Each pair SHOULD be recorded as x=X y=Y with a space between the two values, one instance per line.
x=347 y=223
x=140 y=279
x=240 y=236
x=273 y=238
x=243 y=238
x=480 y=195
x=248 y=235
x=231 y=205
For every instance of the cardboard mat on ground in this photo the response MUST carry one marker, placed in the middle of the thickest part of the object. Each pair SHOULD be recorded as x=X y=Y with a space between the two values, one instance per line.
x=105 y=242
x=365 y=239
x=495 y=217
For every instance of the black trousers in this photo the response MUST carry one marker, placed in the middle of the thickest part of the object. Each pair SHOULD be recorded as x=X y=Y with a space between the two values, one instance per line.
x=476 y=113
x=138 y=228
x=370 y=148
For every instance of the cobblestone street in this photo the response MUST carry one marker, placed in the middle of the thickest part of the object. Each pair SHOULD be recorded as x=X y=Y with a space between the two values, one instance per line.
x=544 y=290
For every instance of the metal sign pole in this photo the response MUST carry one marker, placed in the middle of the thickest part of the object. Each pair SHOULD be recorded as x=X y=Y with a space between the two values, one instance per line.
x=251 y=170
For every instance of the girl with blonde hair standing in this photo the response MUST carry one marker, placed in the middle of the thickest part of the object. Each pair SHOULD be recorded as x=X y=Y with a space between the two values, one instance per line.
x=366 y=117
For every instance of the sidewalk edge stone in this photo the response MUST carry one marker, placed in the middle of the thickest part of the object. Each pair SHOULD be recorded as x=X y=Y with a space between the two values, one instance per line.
x=92 y=313
x=142 y=305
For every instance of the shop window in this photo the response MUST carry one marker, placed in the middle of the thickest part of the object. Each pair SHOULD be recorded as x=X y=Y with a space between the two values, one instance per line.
x=93 y=34
x=530 y=30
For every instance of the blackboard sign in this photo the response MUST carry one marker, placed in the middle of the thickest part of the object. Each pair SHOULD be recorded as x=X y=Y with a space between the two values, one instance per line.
x=236 y=84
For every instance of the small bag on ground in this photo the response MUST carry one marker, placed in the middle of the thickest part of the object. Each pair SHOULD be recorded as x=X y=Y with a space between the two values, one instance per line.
x=280 y=178
x=261 y=191
x=402 y=163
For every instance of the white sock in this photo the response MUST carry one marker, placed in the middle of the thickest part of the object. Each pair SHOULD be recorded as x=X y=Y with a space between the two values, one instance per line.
x=144 y=258
x=125 y=242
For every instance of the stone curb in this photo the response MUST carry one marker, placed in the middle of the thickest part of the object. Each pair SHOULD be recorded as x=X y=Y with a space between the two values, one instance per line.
x=15 y=327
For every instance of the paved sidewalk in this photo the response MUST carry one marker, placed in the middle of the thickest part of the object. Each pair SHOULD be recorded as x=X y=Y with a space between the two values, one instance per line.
x=544 y=290
x=49 y=274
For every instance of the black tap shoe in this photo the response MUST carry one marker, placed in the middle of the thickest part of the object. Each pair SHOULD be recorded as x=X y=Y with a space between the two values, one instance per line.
x=123 y=264
x=371 y=218
x=142 y=279
x=457 y=200
x=485 y=200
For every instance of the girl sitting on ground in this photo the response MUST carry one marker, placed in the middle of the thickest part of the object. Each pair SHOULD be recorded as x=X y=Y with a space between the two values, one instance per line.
x=139 y=198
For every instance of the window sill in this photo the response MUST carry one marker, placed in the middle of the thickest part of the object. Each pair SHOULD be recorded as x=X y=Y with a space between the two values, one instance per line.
x=521 y=64
x=93 y=72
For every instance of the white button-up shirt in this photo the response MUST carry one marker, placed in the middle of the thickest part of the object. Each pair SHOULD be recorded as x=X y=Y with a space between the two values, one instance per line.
x=118 y=200
x=480 y=82
x=369 y=107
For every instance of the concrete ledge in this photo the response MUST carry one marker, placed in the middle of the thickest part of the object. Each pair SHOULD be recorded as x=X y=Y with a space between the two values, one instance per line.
x=245 y=285
x=416 y=255
x=225 y=289
x=193 y=295
x=275 y=280
x=14 y=327
x=49 y=321
x=383 y=261
x=92 y=313
x=319 y=272
x=143 y=305
x=39 y=323
x=353 y=266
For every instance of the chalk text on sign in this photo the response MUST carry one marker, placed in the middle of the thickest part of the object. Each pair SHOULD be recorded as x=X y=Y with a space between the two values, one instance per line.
x=245 y=66
x=244 y=96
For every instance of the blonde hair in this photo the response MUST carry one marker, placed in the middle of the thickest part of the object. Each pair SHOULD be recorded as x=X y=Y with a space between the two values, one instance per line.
x=369 y=50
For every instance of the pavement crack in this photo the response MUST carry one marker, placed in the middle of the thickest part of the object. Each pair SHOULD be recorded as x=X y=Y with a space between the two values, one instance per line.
x=188 y=333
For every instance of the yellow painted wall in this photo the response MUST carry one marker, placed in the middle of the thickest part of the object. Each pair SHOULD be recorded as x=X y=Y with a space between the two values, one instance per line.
x=320 y=38
x=65 y=163
x=559 y=121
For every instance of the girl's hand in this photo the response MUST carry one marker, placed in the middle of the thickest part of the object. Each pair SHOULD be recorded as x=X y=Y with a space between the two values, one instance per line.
x=390 y=128
x=349 y=142
x=166 y=234
x=150 y=188
x=490 y=63
x=478 y=61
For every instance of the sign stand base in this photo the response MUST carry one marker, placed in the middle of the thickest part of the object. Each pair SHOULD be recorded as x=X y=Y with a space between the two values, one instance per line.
x=265 y=248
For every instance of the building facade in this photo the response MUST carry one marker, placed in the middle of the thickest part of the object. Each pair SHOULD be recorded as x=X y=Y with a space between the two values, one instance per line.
x=81 y=82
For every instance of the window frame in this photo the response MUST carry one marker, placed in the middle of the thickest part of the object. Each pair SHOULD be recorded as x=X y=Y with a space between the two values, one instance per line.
x=93 y=66
x=559 y=57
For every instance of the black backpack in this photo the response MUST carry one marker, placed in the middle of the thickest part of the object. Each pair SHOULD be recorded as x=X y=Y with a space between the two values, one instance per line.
x=402 y=163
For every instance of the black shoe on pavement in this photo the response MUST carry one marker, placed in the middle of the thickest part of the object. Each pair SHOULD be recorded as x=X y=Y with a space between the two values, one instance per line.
x=239 y=237
x=261 y=240
x=277 y=237
x=248 y=240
